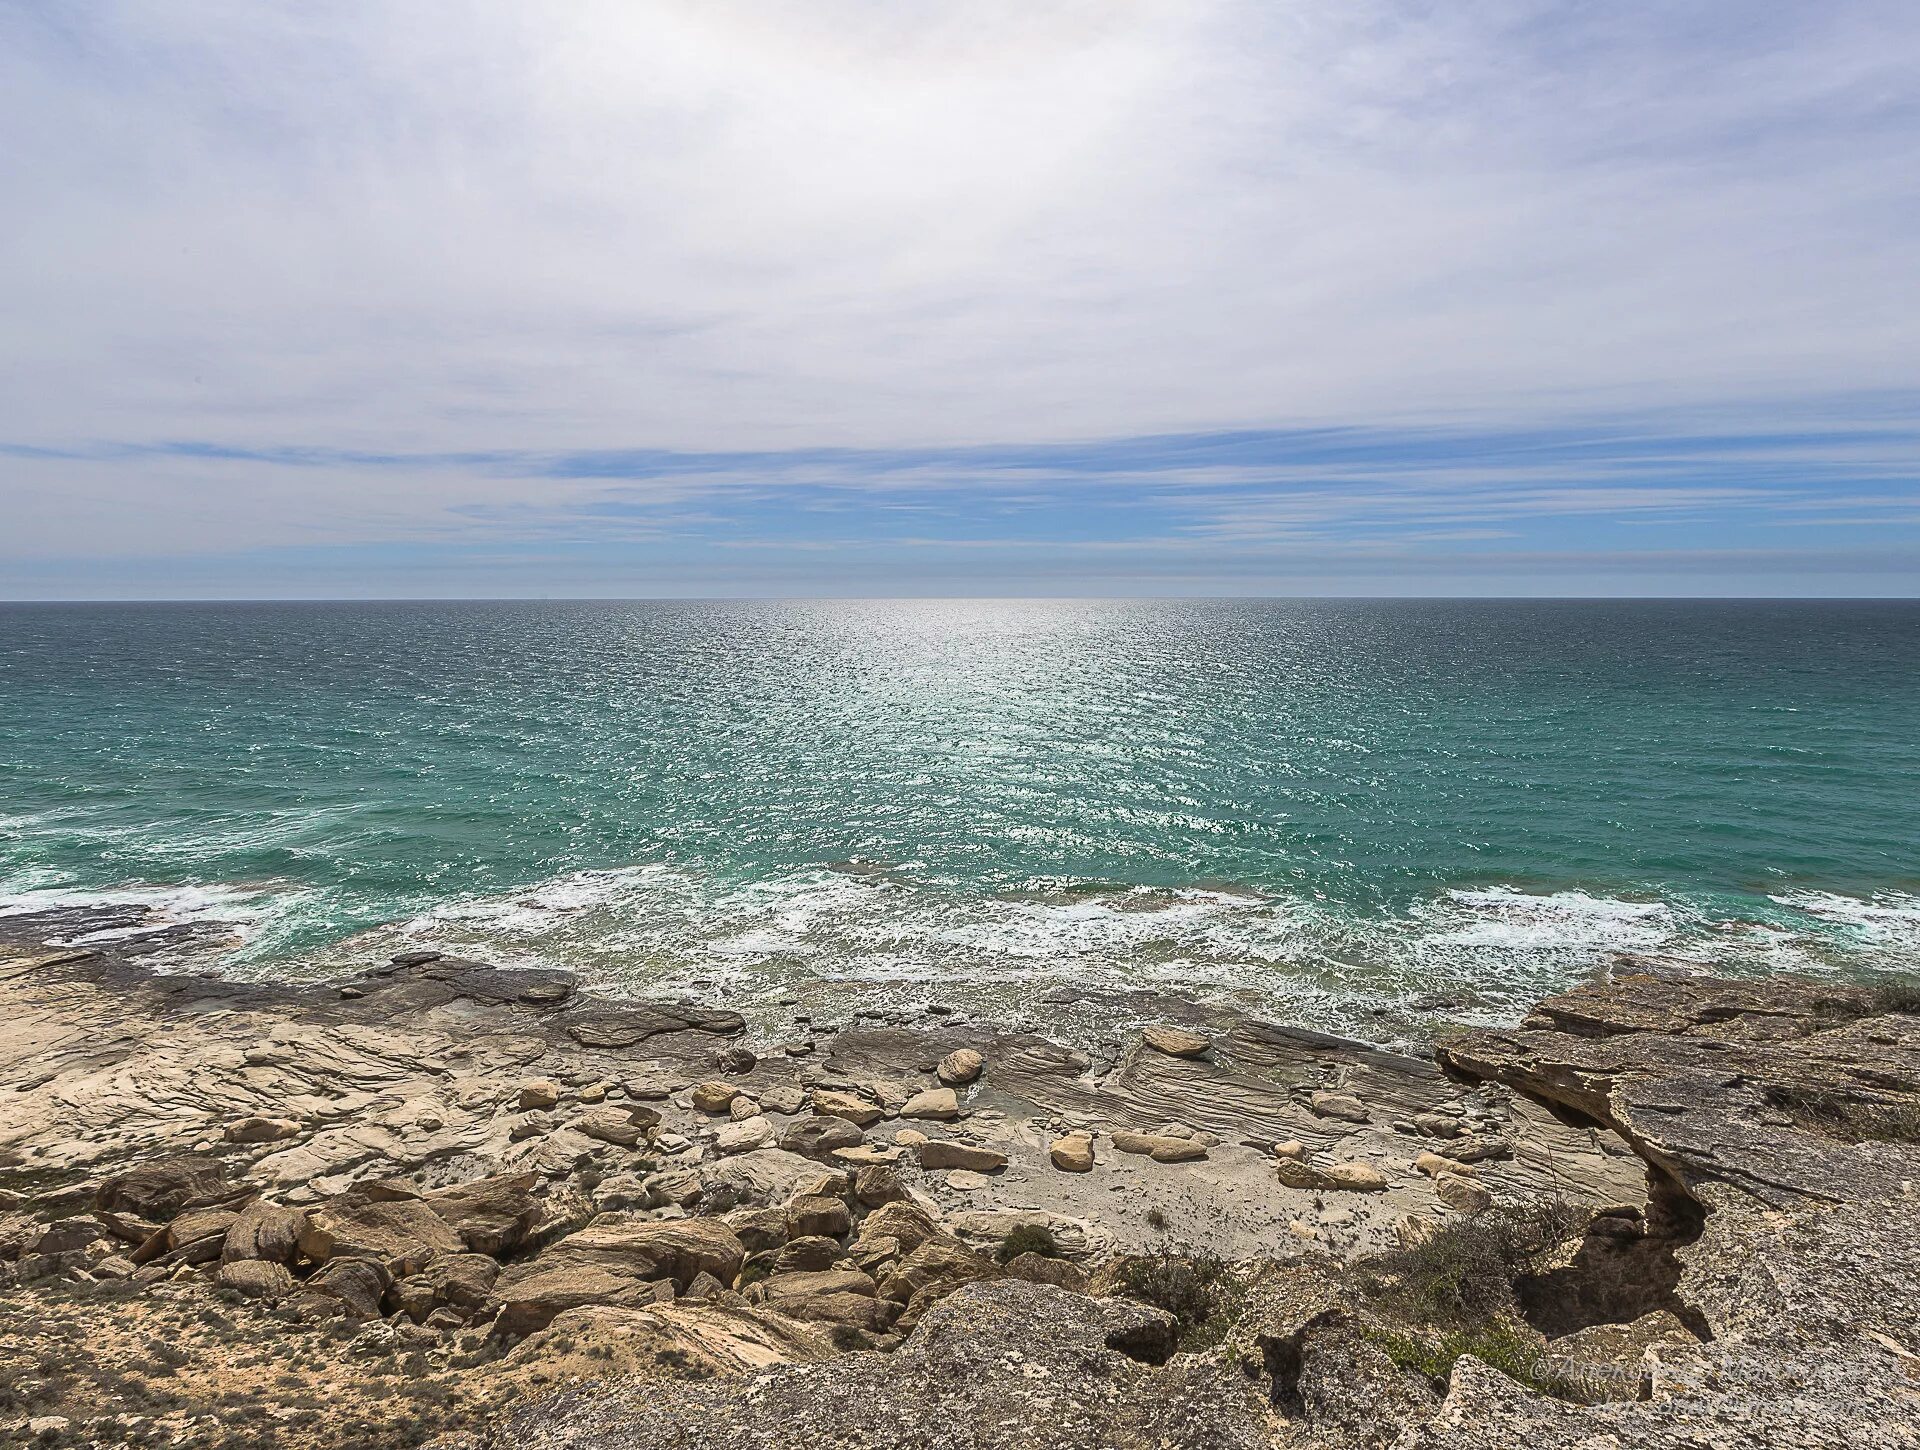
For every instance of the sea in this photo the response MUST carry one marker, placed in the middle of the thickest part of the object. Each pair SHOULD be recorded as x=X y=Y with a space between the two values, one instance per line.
x=1333 y=812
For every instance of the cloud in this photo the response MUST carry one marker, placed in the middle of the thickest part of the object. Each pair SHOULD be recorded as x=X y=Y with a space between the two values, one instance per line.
x=422 y=274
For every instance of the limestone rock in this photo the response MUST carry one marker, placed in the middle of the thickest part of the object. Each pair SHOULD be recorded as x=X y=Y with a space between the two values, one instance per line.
x=817 y=1214
x=265 y=1231
x=622 y=1126
x=747 y=1135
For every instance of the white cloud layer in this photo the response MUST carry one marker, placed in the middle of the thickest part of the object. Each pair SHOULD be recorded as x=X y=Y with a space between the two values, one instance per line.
x=704 y=223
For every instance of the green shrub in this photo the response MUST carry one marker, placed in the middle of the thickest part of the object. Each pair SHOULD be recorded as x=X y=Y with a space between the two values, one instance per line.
x=1029 y=1238
x=1198 y=1289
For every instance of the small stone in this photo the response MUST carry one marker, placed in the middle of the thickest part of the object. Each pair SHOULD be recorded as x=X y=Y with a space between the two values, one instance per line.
x=1073 y=1153
x=261 y=1130
x=960 y=1067
x=595 y=1092
x=742 y=1108
x=624 y=1127
x=967 y=1181
x=1175 y=1041
x=1292 y=1148
x=940 y=1105
x=862 y=1154
x=909 y=1137
x=788 y=1098
x=1305 y=1232
x=747 y=1135
x=1433 y=1165
x=538 y=1095
x=1413 y=1231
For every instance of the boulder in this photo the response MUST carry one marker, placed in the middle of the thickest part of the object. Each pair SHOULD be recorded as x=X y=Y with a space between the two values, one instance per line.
x=830 y=1103
x=1176 y=1041
x=1159 y=1147
x=1040 y=1269
x=1072 y=1153
x=903 y=1221
x=1462 y=1194
x=402 y=1235
x=1355 y=1177
x=747 y=1135
x=941 y=1262
x=817 y=1137
x=1343 y=1106
x=937 y=1153
x=199 y=1233
x=816 y=1215
x=463 y=1281
x=742 y=1108
x=939 y=1105
x=256 y=1278
x=876 y=1183
x=621 y=1126
x=357 y=1284
x=166 y=1187
x=261 y=1130
x=760 y=1230
x=714 y=1097
x=960 y=1067
x=640 y=1248
x=537 y=1096
x=492 y=1215
x=811 y=1252
x=264 y=1231
x=531 y=1295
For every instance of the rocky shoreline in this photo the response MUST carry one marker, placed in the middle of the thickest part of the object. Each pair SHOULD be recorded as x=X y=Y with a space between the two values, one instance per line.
x=445 y=1201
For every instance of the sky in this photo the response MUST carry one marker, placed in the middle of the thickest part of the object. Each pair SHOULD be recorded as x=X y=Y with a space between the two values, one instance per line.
x=432 y=298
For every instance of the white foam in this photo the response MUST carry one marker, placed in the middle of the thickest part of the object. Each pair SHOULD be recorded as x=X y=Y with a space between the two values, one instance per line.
x=1889 y=918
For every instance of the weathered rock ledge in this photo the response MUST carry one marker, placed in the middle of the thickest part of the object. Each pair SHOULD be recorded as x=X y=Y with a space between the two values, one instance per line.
x=420 y=1201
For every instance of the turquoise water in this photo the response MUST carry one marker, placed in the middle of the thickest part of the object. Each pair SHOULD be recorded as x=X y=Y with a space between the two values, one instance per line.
x=1324 y=805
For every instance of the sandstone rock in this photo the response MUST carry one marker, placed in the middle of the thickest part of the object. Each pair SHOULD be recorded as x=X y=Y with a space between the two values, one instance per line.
x=677 y=1249
x=747 y=1135
x=357 y=1284
x=817 y=1137
x=938 y=1153
x=163 y=1188
x=830 y=1103
x=1462 y=1194
x=940 y=1262
x=876 y=1183
x=1072 y=1153
x=202 y=1230
x=1355 y=1177
x=261 y=1130
x=960 y=1067
x=532 y=1295
x=1433 y=1165
x=787 y=1099
x=903 y=1221
x=1293 y=1173
x=256 y=1278
x=463 y=1281
x=538 y=1095
x=402 y=1236
x=966 y=1180
x=742 y=1108
x=622 y=1126
x=1040 y=1269
x=491 y=1215
x=815 y=1214
x=1291 y=1148
x=1414 y=1230
x=806 y=1254
x=1476 y=1148
x=67 y=1235
x=863 y=1154
x=1340 y=1105
x=714 y=1097
x=939 y=1105
x=263 y=1231
x=760 y=1230
x=1158 y=1147
x=1176 y=1041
